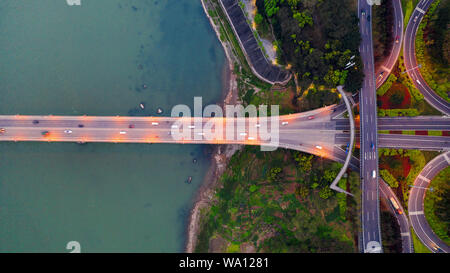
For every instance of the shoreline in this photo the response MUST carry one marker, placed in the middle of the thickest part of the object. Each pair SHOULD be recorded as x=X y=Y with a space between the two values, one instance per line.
x=221 y=153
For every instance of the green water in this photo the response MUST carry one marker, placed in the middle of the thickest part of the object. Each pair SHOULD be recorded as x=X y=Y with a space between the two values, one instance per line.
x=95 y=59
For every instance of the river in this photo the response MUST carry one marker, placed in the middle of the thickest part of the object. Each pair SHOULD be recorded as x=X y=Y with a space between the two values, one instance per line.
x=104 y=57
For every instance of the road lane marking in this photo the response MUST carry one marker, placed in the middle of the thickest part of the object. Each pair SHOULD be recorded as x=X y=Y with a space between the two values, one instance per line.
x=423 y=178
x=406 y=234
x=416 y=212
x=420 y=10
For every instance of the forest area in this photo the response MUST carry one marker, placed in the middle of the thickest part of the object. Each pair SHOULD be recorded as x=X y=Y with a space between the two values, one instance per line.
x=318 y=39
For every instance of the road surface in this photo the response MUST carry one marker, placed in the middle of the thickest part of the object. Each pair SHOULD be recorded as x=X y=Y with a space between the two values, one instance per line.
x=416 y=206
x=411 y=65
x=405 y=233
x=371 y=235
x=385 y=69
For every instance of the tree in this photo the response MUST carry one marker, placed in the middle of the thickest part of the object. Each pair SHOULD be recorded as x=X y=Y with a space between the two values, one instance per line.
x=258 y=18
x=302 y=191
x=325 y=193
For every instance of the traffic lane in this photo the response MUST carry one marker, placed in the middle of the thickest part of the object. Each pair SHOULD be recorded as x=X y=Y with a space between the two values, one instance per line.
x=396 y=47
x=402 y=123
x=370 y=225
x=405 y=234
x=416 y=199
x=403 y=141
x=411 y=62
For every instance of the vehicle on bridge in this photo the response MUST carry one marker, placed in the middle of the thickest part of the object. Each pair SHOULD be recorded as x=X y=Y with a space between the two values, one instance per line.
x=2 y=131
x=45 y=133
x=395 y=205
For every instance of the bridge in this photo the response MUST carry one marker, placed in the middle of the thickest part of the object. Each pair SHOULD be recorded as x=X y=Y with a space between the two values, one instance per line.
x=319 y=132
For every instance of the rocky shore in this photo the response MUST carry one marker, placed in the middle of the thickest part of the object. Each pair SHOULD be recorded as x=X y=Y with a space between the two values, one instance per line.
x=221 y=154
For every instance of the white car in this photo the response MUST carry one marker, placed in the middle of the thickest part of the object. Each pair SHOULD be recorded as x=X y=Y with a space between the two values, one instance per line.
x=243 y=134
x=284 y=123
x=155 y=123
x=191 y=126
x=374 y=174
x=251 y=138
x=175 y=126
x=67 y=131
x=319 y=147
x=122 y=132
x=418 y=81
x=257 y=125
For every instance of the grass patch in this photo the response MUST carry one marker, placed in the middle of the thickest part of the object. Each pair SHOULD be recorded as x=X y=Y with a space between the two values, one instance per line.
x=418 y=246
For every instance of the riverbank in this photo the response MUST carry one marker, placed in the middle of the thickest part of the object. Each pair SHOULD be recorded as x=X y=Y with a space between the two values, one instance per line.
x=221 y=153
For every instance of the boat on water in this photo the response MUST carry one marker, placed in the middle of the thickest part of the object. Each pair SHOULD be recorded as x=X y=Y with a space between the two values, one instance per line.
x=142 y=105
x=189 y=180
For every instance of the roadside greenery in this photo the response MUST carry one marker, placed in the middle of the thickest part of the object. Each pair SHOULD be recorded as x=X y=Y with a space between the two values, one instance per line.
x=398 y=112
x=437 y=205
x=318 y=39
x=389 y=178
x=387 y=84
x=280 y=202
x=432 y=46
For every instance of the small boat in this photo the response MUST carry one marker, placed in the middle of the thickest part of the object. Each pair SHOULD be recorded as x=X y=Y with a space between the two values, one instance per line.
x=189 y=180
x=194 y=160
x=159 y=110
x=142 y=105
x=144 y=86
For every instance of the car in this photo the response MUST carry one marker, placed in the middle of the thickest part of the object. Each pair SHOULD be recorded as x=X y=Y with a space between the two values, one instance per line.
x=155 y=123
x=35 y=121
x=363 y=12
x=284 y=123
x=374 y=174
x=368 y=18
x=174 y=126
x=381 y=74
x=372 y=146
x=397 y=39
x=67 y=131
x=2 y=131
x=418 y=82
x=122 y=132
x=80 y=125
x=319 y=147
x=311 y=117
x=131 y=126
x=346 y=148
x=45 y=133
x=415 y=18
x=243 y=134
x=257 y=125
x=191 y=126
x=251 y=138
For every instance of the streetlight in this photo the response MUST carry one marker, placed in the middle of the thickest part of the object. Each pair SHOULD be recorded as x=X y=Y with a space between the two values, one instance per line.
x=419 y=66
x=430 y=188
